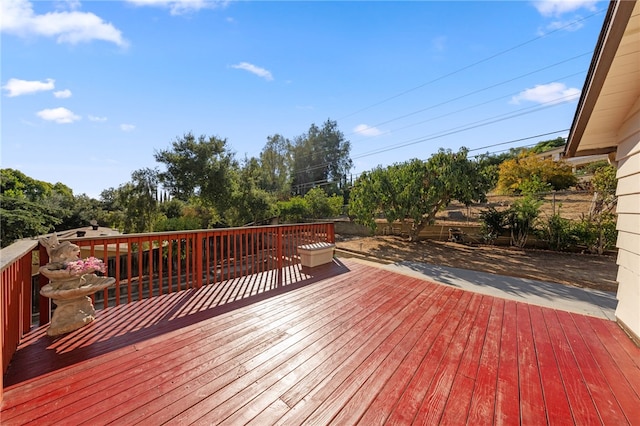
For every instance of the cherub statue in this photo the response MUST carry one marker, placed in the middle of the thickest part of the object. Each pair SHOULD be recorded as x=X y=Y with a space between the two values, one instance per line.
x=60 y=253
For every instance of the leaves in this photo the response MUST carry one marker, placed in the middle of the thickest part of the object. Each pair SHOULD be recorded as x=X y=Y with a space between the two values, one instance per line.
x=529 y=173
x=417 y=190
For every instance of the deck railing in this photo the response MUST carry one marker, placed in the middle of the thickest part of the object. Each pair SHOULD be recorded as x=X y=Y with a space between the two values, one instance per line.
x=151 y=264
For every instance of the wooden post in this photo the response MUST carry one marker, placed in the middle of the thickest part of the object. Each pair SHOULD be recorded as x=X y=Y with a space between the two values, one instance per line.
x=198 y=259
x=279 y=254
x=44 y=303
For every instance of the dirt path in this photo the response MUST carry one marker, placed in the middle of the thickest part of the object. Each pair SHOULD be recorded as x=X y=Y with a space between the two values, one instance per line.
x=581 y=270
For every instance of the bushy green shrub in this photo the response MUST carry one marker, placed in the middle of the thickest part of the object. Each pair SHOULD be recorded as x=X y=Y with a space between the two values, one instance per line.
x=294 y=210
x=597 y=233
x=521 y=218
x=558 y=232
x=320 y=206
x=493 y=224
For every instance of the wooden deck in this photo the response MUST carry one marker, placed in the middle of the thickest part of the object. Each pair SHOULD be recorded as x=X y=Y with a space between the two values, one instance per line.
x=348 y=344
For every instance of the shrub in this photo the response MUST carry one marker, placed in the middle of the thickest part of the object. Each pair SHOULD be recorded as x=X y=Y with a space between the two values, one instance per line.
x=519 y=174
x=521 y=217
x=558 y=233
x=597 y=233
x=294 y=210
x=320 y=206
x=493 y=224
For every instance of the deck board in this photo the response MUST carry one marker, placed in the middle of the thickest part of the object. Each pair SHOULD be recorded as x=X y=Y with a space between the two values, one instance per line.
x=347 y=343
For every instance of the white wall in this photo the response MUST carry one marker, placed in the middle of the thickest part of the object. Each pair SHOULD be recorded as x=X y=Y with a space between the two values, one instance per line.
x=628 y=225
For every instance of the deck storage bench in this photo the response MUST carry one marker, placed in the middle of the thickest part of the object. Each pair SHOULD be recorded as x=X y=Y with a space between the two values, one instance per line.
x=316 y=254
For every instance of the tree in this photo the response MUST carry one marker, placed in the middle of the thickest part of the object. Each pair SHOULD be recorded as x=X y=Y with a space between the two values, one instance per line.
x=21 y=218
x=275 y=166
x=251 y=204
x=548 y=145
x=320 y=157
x=528 y=173
x=322 y=206
x=417 y=190
x=14 y=183
x=137 y=200
x=200 y=167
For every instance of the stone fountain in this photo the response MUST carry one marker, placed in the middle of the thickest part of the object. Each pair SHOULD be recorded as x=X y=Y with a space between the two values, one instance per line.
x=71 y=281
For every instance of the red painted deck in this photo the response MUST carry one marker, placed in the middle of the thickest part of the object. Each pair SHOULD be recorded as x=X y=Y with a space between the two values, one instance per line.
x=352 y=344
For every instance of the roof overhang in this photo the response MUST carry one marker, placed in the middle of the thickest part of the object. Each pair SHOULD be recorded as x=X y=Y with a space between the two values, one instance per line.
x=612 y=85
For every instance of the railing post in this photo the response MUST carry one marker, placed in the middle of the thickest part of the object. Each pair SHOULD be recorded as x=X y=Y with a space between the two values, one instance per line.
x=279 y=260
x=331 y=233
x=198 y=259
x=44 y=303
x=25 y=296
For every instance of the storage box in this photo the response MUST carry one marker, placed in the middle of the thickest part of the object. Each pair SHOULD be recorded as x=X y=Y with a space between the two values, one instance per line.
x=316 y=254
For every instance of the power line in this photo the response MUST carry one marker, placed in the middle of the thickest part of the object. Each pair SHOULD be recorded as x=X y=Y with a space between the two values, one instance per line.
x=485 y=89
x=518 y=46
x=463 y=128
x=500 y=144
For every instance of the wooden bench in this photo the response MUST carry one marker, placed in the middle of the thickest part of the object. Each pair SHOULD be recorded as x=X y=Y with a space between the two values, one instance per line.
x=316 y=254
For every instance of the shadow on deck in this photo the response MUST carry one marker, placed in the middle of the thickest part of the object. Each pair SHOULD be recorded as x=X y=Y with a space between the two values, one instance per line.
x=131 y=324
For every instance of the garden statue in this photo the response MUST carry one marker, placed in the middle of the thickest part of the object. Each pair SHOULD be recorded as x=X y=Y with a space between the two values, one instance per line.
x=72 y=280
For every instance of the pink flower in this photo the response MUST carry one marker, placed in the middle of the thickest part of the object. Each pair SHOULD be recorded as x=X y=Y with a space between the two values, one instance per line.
x=86 y=266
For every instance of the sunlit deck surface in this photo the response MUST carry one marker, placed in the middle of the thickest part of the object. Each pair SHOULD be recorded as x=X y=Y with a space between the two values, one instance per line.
x=348 y=343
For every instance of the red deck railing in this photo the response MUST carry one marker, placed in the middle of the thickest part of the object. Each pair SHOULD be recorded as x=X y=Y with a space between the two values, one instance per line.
x=151 y=264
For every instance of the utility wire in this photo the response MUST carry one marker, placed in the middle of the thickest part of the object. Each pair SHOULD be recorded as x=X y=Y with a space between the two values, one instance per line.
x=487 y=59
x=483 y=90
x=463 y=128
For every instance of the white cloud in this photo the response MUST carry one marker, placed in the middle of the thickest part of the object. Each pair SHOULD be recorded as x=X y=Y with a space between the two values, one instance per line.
x=559 y=7
x=66 y=93
x=97 y=119
x=551 y=93
x=58 y=115
x=179 y=7
x=17 y=87
x=127 y=127
x=260 y=72
x=72 y=27
x=365 y=130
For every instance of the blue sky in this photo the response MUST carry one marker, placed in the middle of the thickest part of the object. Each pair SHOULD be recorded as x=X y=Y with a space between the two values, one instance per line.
x=91 y=89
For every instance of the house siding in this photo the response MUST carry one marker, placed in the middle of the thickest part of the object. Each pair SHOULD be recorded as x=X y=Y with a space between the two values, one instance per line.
x=628 y=225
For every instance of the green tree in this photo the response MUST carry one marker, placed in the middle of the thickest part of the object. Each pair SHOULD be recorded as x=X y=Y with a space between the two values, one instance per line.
x=21 y=218
x=417 y=190
x=320 y=157
x=548 y=145
x=14 y=183
x=294 y=210
x=321 y=206
x=137 y=201
x=275 y=167
x=251 y=204
x=202 y=167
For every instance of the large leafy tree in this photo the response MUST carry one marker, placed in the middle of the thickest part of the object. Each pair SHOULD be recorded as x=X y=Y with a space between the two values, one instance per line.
x=251 y=204
x=275 y=166
x=417 y=190
x=21 y=218
x=137 y=202
x=30 y=207
x=320 y=158
x=202 y=167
